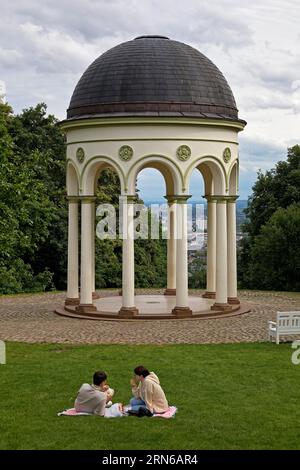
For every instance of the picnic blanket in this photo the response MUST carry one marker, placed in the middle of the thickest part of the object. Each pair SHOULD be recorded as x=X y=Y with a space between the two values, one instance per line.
x=170 y=413
x=111 y=412
x=73 y=412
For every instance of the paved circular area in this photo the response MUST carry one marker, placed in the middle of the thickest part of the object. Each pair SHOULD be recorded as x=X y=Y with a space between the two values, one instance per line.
x=151 y=307
x=31 y=318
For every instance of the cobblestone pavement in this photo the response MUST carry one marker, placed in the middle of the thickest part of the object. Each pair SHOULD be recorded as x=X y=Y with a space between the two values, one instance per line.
x=31 y=318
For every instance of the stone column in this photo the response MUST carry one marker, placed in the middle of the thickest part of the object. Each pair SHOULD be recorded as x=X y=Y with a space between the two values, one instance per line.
x=128 y=309
x=221 y=256
x=95 y=295
x=211 y=249
x=86 y=284
x=182 y=300
x=231 y=250
x=72 y=289
x=171 y=247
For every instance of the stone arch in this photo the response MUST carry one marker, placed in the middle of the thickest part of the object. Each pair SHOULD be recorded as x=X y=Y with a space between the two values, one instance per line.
x=233 y=178
x=72 y=179
x=213 y=173
x=169 y=170
x=92 y=169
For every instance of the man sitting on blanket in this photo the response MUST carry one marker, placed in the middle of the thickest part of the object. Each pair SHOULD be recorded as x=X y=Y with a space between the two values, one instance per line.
x=147 y=392
x=94 y=398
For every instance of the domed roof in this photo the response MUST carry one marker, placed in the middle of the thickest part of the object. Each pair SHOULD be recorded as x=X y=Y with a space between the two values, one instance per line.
x=153 y=76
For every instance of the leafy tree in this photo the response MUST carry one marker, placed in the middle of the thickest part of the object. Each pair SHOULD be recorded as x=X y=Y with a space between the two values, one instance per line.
x=197 y=271
x=278 y=187
x=276 y=196
x=275 y=254
x=26 y=213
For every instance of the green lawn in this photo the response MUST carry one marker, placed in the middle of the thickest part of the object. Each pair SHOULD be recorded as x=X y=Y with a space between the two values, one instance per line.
x=243 y=396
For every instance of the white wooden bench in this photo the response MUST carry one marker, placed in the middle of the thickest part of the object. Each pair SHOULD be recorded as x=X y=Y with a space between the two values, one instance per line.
x=288 y=323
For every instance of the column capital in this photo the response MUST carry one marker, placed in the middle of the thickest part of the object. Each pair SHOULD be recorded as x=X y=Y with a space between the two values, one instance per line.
x=171 y=199
x=128 y=198
x=87 y=199
x=178 y=198
x=220 y=198
x=73 y=199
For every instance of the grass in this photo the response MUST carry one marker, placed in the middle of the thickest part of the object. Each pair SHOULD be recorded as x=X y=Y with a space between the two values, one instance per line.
x=236 y=396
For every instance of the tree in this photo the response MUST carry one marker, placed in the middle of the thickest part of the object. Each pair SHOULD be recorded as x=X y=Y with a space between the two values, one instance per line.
x=275 y=254
x=197 y=271
x=25 y=213
x=271 y=234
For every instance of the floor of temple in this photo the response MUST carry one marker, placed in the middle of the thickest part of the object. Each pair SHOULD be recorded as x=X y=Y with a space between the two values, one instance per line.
x=151 y=307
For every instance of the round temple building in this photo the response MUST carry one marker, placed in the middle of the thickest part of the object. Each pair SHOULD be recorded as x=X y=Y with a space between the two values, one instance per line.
x=154 y=103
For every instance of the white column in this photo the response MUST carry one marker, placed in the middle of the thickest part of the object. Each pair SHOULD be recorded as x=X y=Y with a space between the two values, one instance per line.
x=211 y=249
x=171 y=248
x=72 y=289
x=128 y=305
x=182 y=302
x=221 y=256
x=231 y=251
x=86 y=285
x=93 y=251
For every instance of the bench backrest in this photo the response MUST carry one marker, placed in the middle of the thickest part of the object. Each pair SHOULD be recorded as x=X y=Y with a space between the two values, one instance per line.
x=288 y=320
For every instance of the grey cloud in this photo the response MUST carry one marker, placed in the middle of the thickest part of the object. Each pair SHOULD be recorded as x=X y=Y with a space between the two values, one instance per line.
x=253 y=151
x=46 y=46
x=256 y=155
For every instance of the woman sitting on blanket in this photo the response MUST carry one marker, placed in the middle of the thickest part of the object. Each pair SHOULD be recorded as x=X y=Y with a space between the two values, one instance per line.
x=147 y=392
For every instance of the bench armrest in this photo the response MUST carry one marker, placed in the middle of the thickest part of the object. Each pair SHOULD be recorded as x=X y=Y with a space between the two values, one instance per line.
x=273 y=323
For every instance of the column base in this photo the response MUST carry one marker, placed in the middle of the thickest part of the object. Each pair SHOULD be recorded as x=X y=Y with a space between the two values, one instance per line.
x=221 y=307
x=182 y=312
x=86 y=308
x=95 y=295
x=233 y=301
x=209 y=295
x=72 y=301
x=128 y=312
x=170 y=291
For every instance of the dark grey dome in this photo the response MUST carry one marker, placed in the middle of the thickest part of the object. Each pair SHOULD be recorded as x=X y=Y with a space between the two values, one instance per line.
x=152 y=76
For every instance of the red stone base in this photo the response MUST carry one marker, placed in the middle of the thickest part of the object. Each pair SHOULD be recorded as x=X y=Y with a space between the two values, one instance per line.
x=209 y=295
x=72 y=301
x=170 y=291
x=128 y=312
x=182 y=312
x=86 y=308
x=221 y=307
x=233 y=301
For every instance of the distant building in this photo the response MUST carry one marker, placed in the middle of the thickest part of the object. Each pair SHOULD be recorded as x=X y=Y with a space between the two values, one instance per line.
x=2 y=92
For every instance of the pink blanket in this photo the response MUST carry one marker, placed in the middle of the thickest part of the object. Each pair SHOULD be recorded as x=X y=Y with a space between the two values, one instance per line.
x=170 y=413
x=73 y=412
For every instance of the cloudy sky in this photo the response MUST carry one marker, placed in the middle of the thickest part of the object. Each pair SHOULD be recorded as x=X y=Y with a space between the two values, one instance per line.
x=45 y=45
